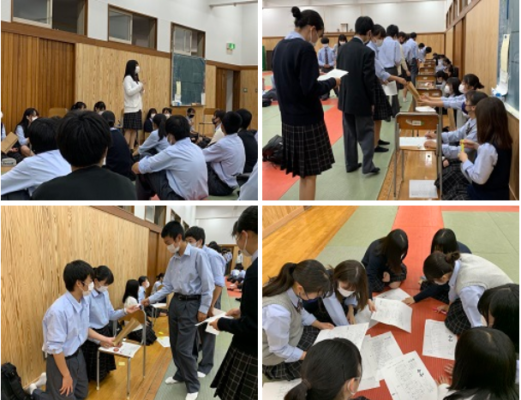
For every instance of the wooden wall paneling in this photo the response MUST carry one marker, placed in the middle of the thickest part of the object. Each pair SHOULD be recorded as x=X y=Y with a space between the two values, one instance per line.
x=210 y=85
x=250 y=99
x=30 y=284
x=273 y=217
x=434 y=40
x=513 y=127
x=458 y=59
x=220 y=88
x=449 y=43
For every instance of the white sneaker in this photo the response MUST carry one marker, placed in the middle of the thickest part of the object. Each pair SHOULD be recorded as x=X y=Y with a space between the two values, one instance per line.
x=200 y=374
x=42 y=380
x=192 y=396
x=171 y=381
x=32 y=387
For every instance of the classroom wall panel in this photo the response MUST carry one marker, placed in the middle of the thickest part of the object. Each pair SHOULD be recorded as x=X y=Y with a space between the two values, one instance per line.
x=449 y=42
x=37 y=243
x=513 y=127
x=458 y=59
x=250 y=99
x=434 y=40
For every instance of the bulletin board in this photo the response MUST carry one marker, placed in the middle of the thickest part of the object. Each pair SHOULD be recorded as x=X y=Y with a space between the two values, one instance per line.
x=509 y=25
x=188 y=80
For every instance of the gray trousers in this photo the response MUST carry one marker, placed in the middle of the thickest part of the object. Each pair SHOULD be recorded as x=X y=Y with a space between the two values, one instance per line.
x=182 y=317
x=395 y=104
x=206 y=344
x=80 y=381
x=358 y=129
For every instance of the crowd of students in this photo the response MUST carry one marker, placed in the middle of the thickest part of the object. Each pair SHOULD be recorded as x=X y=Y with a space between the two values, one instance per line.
x=481 y=305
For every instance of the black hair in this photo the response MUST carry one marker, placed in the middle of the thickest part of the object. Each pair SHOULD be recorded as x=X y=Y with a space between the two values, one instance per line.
x=421 y=45
x=248 y=221
x=177 y=126
x=231 y=122
x=78 y=106
x=161 y=275
x=160 y=121
x=492 y=123
x=307 y=17
x=428 y=50
x=363 y=25
x=100 y=106
x=150 y=112
x=438 y=264
x=379 y=30
x=342 y=38
x=412 y=35
x=485 y=367
x=393 y=247
x=444 y=240
x=246 y=117
x=173 y=229
x=196 y=233
x=131 y=289
x=190 y=109
x=310 y=274
x=24 y=123
x=219 y=114
x=502 y=303
x=447 y=61
x=130 y=70
x=109 y=117
x=442 y=74
x=75 y=271
x=83 y=138
x=142 y=279
x=215 y=246
x=454 y=83
x=402 y=35
x=42 y=134
x=166 y=110
x=475 y=96
x=324 y=40
x=392 y=30
x=473 y=81
x=103 y=273
x=327 y=367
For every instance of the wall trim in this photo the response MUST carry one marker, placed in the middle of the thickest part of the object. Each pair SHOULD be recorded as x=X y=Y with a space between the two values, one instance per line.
x=283 y=221
x=462 y=15
x=118 y=212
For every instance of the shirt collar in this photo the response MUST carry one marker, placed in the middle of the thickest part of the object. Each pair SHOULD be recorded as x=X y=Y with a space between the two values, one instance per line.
x=255 y=256
x=77 y=305
x=356 y=37
x=95 y=293
x=454 y=276
x=292 y=296
x=294 y=35
x=186 y=253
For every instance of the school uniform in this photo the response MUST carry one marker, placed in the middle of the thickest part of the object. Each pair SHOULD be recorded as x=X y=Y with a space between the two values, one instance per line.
x=27 y=176
x=375 y=265
x=141 y=295
x=101 y=314
x=225 y=160
x=189 y=276
x=327 y=56
x=133 y=101
x=149 y=126
x=286 y=334
x=250 y=149
x=411 y=55
x=153 y=145
x=155 y=288
x=119 y=159
x=403 y=68
x=471 y=277
x=250 y=190
x=20 y=133
x=217 y=135
x=65 y=329
x=237 y=378
x=330 y=309
x=390 y=57
x=238 y=261
x=382 y=109
x=176 y=173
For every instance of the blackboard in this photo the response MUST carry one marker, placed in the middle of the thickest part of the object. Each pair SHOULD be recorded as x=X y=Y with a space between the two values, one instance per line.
x=509 y=24
x=188 y=74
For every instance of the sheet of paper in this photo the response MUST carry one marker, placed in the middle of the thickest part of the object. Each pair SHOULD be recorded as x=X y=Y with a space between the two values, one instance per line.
x=438 y=341
x=394 y=294
x=422 y=189
x=393 y=312
x=159 y=305
x=416 y=142
x=277 y=390
x=335 y=73
x=210 y=329
x=384 y=350
x=390 y=89
x=368 y=380
x=126 y=349
x=216 y=315
x=354 y=333
x=164 y=341
x=407 y=378
x=425 y=109
x=504 y=52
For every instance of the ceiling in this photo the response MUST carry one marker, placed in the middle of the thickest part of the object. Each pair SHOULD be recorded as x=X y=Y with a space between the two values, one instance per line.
x=322 y=3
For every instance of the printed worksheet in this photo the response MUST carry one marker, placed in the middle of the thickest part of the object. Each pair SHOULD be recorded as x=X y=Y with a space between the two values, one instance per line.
x=407 y=378
x=380 y=351
x=416 y=142
x=368 y=380
x=422 y=189
x=393 y=312
x=438 y=341
x=354 y=333
x=394 y=294
x=216 y=315
x=364 y=316
x=277 y=390
x=390 y=89
x=164 y=341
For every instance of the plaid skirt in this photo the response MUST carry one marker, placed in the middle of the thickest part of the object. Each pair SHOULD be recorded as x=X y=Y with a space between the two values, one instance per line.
x=307 y=149
x=455 y=184
x=442 y=296
x=382 y=109
x=457 y=321
x=132 y=121
x=237 y=378
x=377 y=285
x=289 y=371
x=107 y=362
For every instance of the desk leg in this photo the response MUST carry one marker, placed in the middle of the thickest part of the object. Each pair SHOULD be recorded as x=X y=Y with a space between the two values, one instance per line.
x=144 y=358
x=128 y=378
x=97 y=371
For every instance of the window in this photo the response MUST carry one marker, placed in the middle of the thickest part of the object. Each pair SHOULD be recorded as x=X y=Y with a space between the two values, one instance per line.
x=143 y=31
x=131 y=28
x=187 y=41
x=120 y=26
x=35 y=12
x=63 y=15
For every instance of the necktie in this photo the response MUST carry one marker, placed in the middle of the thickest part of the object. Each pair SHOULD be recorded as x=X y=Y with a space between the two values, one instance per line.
x=327 y=61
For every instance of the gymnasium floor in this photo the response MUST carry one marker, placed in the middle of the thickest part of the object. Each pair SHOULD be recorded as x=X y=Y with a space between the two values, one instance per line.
x=490 y=232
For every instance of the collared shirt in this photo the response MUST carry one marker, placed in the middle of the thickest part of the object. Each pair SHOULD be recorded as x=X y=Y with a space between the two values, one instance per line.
x=34 y=171
x=153 y=142
x=218 y=135
x=101 y=310
x=189 y=274
x=403 y=63
x=469 y=296
x=65 y=325
x=294 y=35
x=156 y=286
x=422 y=53
x=250 y=190
x=217 y=264
x=276 y=324
x=336 y=311
x=239 y=258
x=21 y=135
x=379 y=70
x=227 y=158
x=3 y=132
x=185 y=169
x=467 y=131
x=483 y=165
x=455 y=102
x=331 y=57
x=389 y=53
x=412 y=50
x=254 y=256
x=141 y=294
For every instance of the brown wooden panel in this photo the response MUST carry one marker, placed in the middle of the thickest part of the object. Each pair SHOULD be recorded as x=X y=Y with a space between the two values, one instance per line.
x=250 y=99
x=513 y=127
x=458 y=59
x=434 y=40
x=220 y=89
x=449 y=43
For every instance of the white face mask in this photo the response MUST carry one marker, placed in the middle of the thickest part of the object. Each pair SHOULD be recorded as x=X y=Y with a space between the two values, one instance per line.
x=138 y=70
x=341 y=43
x=167 y=116
x=103 y=289
x=345 y=293
x=147 y=285
x=310 y=40
x=246 y=253
x=447 y=90
x=89 y=290
x=172 y=248
x=462 y=88
x=379 y=43
x=152 y=115
x=34 y=119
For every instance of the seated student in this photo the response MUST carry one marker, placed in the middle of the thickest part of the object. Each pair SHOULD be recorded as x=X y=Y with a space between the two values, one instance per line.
x=79 y=106
x=101 y=315
x=250 y=190
x=248 y=140
x=167 y=112
x=226 y=158
x=118 y=158
x=485 y=368
x=332 y=370
x=349 y=295
x=83 y=140
x=288 y=330
x=144 y=284
x=342 y=39
x=148 y=126
x=159 y=282
x=156 y=142
x=218 y=134
x=444 y=240
x=441 y=81
x=100 y=107
x=47 y=163
x=468 y=277
x=176 y=173
x=234 y=273
x=383 y=261
x=30 y=115
x=65 y=329
x=130 y=299
x=190 y=116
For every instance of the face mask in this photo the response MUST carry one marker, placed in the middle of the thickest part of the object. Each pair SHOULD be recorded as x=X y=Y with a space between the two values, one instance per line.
x=147 y=285
x=89 y=289
x=310 y=40
x=439 y=283
x=345 y=293
x=309 y=301
x=152 y=116
x=462 y=88
x=379 y=43
x=341 y=43
x=191 y=116
x=244 y=249
x=447 y=90
x=172 y=248
x=102 y=289
x=167 y=116
x=138 y=69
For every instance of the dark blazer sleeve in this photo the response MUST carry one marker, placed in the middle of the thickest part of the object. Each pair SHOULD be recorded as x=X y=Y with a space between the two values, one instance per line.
x=369 y=76
x=309 y=73
x=372 y=266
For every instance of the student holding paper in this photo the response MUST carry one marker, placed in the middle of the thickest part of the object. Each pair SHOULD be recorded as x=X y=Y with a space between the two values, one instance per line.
x=331 y=371
x=383 y=261
x=130 y=298
x=307 y=148
x=288 y=330
x=468 y=277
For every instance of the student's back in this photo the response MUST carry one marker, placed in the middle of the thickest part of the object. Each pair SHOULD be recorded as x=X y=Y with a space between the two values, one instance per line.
x=118 y=156
x=250 y=148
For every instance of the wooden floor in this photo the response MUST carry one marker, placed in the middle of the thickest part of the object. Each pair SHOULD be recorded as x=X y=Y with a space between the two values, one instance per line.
x=304 y=237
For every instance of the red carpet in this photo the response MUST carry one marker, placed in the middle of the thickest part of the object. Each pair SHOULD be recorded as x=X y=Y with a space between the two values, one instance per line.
x=235 y=293
x=481 y=208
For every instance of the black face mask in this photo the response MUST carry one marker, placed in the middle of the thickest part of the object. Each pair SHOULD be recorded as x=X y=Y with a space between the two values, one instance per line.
x=191 y=116
x=214 y=121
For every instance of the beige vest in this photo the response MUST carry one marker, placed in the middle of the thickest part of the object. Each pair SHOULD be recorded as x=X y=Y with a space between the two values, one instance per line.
x=476 y=271
x=295 y=327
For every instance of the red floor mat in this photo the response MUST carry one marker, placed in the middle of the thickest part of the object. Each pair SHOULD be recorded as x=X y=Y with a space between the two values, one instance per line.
x=481 y=208
x=232 y=293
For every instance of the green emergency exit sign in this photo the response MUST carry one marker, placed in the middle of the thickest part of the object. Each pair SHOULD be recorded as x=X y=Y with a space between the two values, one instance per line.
x=230 y=46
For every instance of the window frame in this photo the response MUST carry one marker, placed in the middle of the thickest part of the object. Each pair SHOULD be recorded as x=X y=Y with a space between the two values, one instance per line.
x=131 y=14
x=199 y=32
x=128 y=14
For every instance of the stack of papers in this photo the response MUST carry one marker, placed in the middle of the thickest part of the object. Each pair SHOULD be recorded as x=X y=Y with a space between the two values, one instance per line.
x=335 y=73
x=126 y=349
x=365 y=314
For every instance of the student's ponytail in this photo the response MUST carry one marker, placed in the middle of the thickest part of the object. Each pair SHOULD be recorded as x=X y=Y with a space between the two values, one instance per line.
x=299 y=392
x=438 y=264
x=451 y=258
x=473 y=81
x=307 y=17
x=160 y=121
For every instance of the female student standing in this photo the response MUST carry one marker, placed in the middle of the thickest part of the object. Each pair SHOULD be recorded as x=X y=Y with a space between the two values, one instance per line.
x=307 y=148
x=133 y=91
x=331 y=371
x=101 y=313
x=288 y=330
x=30 y=115
x=383 y=261
x=156 y=142
x=468 y=277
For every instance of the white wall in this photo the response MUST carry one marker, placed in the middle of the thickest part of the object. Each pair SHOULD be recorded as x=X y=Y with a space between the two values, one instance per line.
x=6 y=11
x=250 y=34
x=217 y=222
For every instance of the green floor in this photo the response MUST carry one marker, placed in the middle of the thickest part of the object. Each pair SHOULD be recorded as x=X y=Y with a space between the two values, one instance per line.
x=178 y=391
x=336 y=184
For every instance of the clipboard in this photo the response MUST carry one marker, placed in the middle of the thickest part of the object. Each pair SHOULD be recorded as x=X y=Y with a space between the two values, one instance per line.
x=8 y=143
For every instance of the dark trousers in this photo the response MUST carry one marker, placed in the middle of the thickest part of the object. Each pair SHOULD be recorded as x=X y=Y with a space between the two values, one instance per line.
x=326 y=96
x=206 y=344
x=17 y=196
x=395 y=104
x=216 y=187
x=80 y=381
x=359 y=130
x=413 y=69
x=148 y=185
